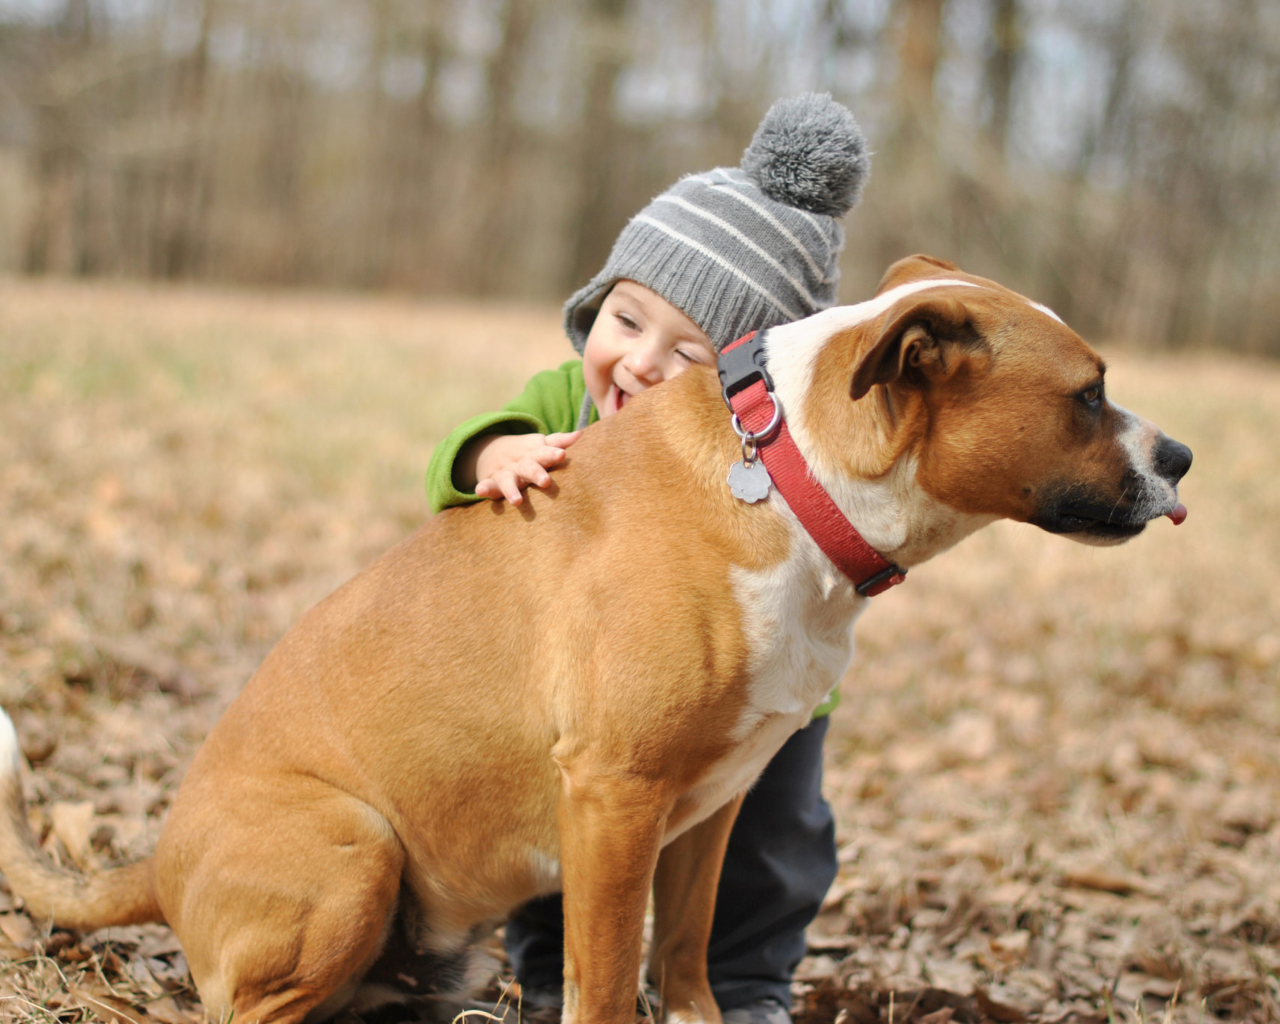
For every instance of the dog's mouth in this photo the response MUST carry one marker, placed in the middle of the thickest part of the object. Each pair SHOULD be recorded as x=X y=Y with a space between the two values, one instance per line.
x=1081 y=515
x=1101 y=530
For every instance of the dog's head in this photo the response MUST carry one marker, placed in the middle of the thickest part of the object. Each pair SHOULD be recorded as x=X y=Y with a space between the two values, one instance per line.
x=1001 y=408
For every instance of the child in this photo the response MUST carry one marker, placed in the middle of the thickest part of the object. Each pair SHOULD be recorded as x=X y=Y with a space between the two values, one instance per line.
x=715 y=256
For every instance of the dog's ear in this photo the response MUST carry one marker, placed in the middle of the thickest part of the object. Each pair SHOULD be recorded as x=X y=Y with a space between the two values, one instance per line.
x=914 y=268
x=926 y=341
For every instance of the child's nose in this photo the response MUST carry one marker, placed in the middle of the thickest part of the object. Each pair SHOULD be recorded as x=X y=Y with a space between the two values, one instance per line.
x=645 y=364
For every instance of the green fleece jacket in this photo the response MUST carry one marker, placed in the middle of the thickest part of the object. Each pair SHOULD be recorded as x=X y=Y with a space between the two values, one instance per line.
x=551 y=403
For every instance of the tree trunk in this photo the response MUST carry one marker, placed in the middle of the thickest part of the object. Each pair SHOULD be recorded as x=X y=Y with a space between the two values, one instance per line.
x=594 y=224
x=496 y=191
x=56 y=232
x=1002 y=68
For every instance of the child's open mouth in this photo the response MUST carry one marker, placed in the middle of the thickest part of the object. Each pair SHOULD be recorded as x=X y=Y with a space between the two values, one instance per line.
x=623 y=399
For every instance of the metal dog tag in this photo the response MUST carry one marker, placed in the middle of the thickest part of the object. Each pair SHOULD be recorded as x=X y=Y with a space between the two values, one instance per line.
x=749 y=481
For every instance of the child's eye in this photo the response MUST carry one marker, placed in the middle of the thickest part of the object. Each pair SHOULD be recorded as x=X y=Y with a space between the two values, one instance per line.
x=689 y=357
x=627 y=321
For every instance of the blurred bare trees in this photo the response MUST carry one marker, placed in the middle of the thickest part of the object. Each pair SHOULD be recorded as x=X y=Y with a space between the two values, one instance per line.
x=1119 y=159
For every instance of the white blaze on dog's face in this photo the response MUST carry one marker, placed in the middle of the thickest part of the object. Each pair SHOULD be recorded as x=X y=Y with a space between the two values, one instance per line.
x=952 y=390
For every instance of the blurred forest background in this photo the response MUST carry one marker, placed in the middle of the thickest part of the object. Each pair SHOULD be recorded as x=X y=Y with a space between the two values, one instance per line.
x=1118 y=159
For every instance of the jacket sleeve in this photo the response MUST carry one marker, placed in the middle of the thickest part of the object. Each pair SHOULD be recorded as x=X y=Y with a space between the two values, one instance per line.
x=549 y=404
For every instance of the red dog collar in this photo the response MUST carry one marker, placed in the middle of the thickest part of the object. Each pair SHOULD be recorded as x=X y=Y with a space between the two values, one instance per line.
x=748 y=391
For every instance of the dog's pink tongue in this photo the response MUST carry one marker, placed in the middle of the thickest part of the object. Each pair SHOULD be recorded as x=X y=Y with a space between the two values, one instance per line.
x=1178 y=514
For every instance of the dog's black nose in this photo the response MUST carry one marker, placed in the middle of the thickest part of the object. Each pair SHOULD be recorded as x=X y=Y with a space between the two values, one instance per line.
x=1172 y=460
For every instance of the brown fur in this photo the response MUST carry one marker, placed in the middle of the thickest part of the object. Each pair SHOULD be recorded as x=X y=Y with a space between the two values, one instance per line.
x=513 y=688
x=52 y=892
x=980 y=389
x=531 y=587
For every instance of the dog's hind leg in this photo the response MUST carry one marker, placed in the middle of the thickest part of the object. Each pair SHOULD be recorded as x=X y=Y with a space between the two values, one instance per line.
x=281 y=911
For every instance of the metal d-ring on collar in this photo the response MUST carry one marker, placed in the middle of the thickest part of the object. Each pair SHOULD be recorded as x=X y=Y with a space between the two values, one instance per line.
x=740 y=365
x=750 y=439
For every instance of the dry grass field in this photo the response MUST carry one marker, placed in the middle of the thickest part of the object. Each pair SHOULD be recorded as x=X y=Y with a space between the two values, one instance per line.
x=1055 y=768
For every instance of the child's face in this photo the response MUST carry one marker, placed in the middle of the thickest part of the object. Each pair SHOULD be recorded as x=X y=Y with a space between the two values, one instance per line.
x=639 y=339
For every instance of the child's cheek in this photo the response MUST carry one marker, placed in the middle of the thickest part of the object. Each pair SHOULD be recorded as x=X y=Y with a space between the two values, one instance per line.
x=596 y=376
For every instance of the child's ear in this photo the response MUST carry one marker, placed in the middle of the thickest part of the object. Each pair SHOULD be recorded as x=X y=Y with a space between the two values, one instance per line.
x=926 y=342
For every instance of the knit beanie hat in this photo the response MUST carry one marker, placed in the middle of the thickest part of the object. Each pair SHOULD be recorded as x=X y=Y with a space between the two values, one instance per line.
x=744 y=248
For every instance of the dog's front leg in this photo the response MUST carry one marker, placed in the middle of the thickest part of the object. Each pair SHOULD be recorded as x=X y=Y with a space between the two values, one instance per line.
x=684 y=902
x=610 y=831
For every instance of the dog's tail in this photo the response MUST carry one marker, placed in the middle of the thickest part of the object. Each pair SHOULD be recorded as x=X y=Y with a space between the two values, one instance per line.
x=52 y=893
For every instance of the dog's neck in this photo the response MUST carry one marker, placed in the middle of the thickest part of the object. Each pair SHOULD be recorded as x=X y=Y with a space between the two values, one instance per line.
x=883 y=501
x=862 y=452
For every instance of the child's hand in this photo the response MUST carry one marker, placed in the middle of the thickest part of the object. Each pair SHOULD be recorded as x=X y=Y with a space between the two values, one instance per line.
x=508 y=463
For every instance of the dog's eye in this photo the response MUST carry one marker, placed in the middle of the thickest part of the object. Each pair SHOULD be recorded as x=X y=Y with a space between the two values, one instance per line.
x=1091 y=396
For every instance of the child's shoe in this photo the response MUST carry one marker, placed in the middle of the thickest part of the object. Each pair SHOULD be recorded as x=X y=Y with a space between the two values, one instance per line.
x=760 y=1011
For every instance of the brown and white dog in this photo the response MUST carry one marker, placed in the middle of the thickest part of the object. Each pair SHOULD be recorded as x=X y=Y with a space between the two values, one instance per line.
x=574 y=693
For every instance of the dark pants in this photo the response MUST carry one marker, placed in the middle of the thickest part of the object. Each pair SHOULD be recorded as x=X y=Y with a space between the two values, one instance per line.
x=780 y=862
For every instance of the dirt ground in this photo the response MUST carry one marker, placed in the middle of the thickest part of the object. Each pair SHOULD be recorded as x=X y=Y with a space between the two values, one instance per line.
x=1054 y=769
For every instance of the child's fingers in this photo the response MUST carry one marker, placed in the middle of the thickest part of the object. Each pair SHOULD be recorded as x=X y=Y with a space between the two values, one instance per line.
x=503 y=484
x=512 y=486
x=548 y=457
x=531 y=471
x=563 y=440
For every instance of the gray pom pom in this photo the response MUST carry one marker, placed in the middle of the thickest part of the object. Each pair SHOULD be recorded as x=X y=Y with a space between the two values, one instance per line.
x=809 y=153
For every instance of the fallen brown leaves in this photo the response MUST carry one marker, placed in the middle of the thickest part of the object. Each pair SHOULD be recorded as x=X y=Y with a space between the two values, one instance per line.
x=1055 y=769
x=129 y=975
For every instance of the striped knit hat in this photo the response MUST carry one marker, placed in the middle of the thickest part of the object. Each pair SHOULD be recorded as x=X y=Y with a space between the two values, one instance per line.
x=743 y=248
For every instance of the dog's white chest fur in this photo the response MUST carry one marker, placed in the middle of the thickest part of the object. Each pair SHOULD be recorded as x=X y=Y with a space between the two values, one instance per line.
x=798 y=621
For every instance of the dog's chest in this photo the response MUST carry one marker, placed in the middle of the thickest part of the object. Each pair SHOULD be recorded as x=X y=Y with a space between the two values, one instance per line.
x=797 y=618
x=798 y=621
